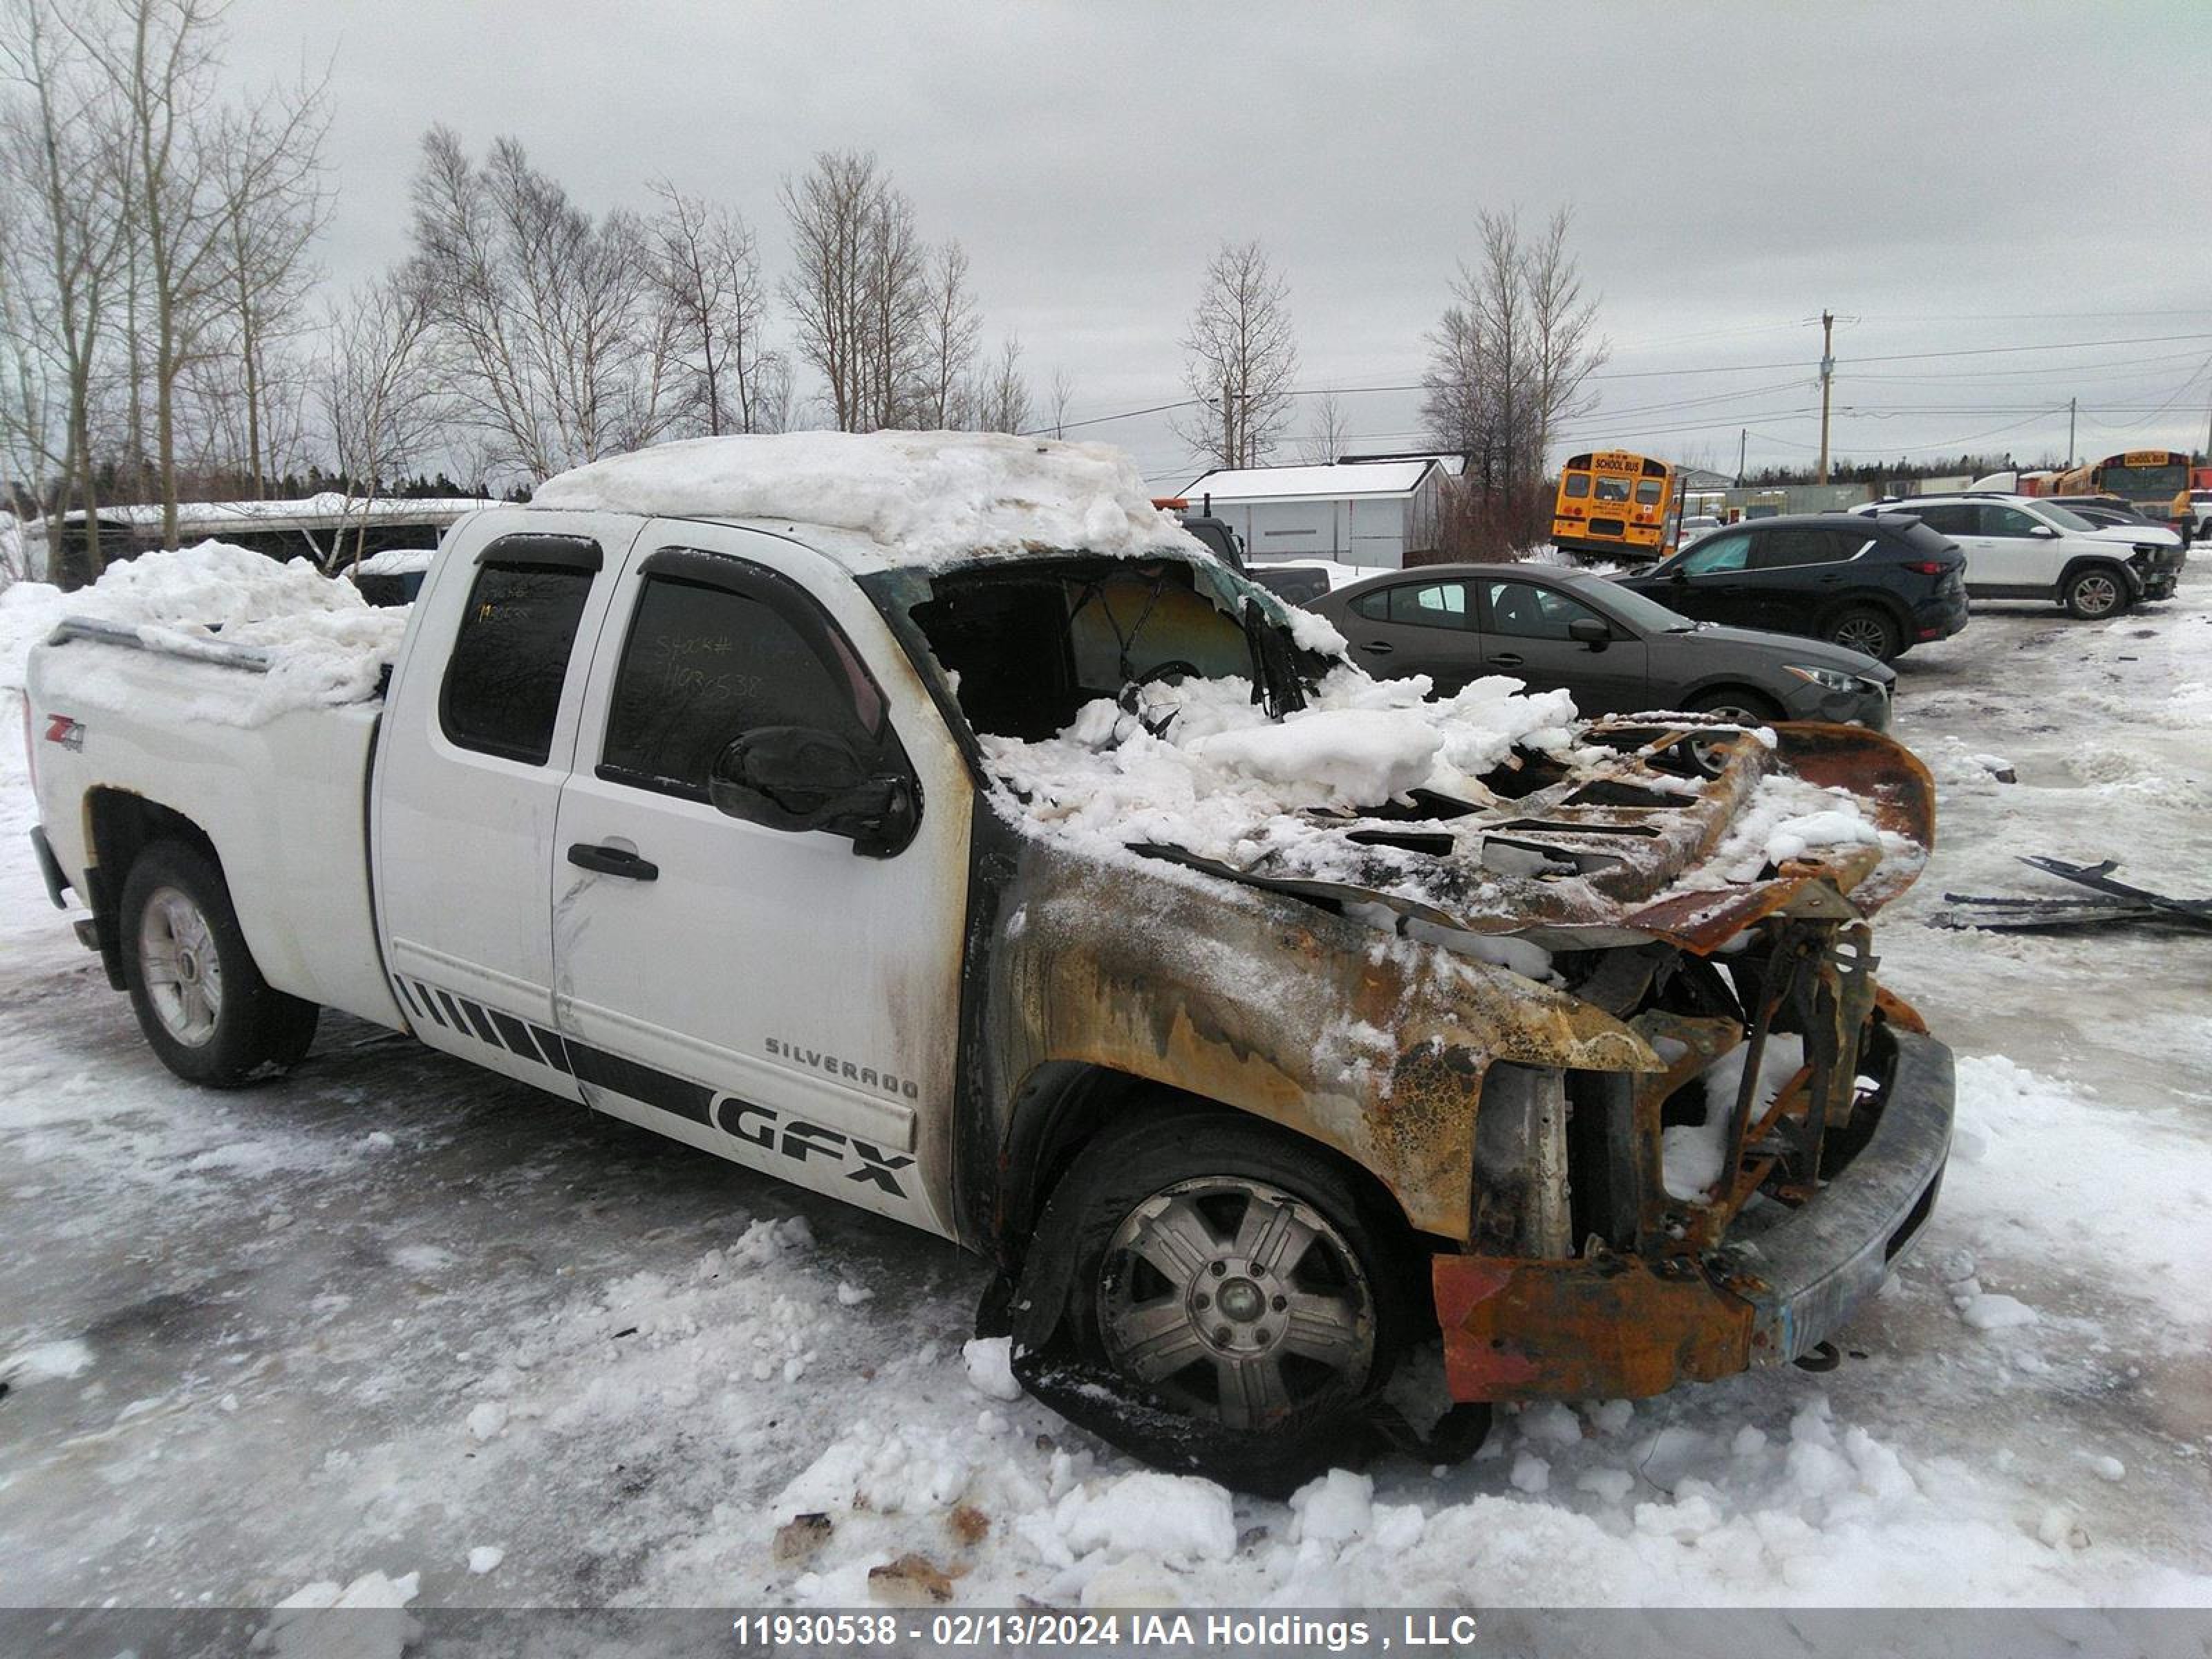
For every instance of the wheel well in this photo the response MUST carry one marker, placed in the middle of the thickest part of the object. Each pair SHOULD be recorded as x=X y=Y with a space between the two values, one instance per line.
x=1063 y=1105
x=1750 y=694
x=2084 y=562
x=1869 y=599
x=119 y=826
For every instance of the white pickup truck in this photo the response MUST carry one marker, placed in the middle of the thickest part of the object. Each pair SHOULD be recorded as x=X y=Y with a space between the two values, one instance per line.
x=928 y=821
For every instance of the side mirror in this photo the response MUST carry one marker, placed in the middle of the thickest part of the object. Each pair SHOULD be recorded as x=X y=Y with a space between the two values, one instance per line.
x=1591 y=631
x=1679 y=573
x=2044 y=533
x=796 y=778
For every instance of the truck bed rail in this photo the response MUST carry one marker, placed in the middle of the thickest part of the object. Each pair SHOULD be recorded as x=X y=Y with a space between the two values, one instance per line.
x=253 y=658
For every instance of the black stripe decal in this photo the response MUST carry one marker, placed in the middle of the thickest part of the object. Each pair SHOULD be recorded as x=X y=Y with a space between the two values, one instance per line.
x=653 y=1087
x=430 y=1004
x=482 y=1021
x=459 y=1021
x=555 y=1050
x=406 y=997
x=516 y=1036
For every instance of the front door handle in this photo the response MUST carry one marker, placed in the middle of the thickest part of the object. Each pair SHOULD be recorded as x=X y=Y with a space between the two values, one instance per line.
x=612 y=861
x=1507 y=659
x=1377 y=648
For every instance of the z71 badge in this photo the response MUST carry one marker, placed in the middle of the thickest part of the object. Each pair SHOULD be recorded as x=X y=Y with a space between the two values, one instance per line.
x=70 y=733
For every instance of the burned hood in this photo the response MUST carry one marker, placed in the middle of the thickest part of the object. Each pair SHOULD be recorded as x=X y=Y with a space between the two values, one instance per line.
x=1522 y=821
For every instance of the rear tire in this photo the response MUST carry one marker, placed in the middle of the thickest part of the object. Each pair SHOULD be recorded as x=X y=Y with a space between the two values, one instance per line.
x=207 y=1013
x=1226 y=1276
x=1868 y=630
x=2096 y=594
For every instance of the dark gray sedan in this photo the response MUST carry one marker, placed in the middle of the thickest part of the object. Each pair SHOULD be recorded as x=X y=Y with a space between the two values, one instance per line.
x=1615 y=651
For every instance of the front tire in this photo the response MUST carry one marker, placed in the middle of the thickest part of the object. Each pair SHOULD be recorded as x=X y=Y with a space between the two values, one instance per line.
x=1745 y=707
x=206 y=1011
x=2097 y=594
x=1225 y=1275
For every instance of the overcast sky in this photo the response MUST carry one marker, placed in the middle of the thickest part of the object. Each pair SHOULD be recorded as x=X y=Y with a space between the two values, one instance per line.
x=2024 y=176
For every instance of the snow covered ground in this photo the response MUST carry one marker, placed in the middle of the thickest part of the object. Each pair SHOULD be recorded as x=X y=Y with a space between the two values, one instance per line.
x=397 y=1316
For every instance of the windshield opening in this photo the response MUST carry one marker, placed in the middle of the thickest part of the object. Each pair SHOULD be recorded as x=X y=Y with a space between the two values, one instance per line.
x=1029 y=646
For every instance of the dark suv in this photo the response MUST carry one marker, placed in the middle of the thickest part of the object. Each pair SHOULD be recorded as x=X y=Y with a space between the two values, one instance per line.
x=1879 y=585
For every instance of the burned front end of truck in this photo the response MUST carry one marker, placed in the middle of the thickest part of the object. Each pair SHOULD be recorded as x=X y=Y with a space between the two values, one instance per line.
x=1572 y=1031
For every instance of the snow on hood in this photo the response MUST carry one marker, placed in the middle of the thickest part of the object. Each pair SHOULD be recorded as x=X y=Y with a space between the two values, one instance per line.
x=930 y=497
x=1375 y=792
x=324 y=643
x=1226 y=783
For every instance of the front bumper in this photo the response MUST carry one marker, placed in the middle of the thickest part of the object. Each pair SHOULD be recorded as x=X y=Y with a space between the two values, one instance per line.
x=1623 y=1327
x=1869 y=708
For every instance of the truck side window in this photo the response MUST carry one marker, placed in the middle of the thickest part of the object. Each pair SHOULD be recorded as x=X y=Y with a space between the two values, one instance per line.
x=704 y=665
x=503 y=682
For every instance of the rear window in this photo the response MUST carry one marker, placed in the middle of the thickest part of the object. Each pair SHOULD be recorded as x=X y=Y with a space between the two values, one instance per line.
x=1779 y=550
x=1921 y=539
x=504 y=681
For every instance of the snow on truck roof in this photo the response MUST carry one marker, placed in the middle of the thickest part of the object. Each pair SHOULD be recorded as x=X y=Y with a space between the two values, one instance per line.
x=922 y=498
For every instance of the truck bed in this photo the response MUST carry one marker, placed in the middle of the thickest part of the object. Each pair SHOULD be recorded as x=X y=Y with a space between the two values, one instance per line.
x=182 y=723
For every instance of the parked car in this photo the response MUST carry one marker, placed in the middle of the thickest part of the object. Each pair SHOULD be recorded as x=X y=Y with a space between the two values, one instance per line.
x=1880 y=586
x=784 y=838
x=2200 y=512
x=1697 y=525
x=1303 y=580
x=1295 y=584
x=1613 y=648
x=2023 y=547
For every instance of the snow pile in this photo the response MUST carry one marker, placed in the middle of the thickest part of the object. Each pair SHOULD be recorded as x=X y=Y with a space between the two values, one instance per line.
x=1788 y=818
x=1225 y=783
x=1691 y=1154
x=395 y=561
x=323 y=642
x=932 y=496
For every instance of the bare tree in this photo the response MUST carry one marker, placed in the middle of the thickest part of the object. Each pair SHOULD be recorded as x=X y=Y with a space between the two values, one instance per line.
x=64 y=170
x=194 y=171
x=544 y=318
x=1058 y=396
x=1564 y=351
x=1240 y=358
x=952 y=324
x=1001 y=399
x=1511 y=357
x=858 y=295
x=380 y=406
x=270 y=213
x=1326 y=430
x=708 y=273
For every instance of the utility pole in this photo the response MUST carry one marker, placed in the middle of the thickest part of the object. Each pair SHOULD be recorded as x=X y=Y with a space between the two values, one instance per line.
x=1827 y=377
x=1742 y=443
x=2070 y=404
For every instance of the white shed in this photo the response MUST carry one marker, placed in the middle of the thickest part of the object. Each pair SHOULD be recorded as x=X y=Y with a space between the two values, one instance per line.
x=1363 y=513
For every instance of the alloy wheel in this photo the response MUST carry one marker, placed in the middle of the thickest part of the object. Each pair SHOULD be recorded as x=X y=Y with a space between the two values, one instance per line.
x=1234 y=1300
x=178 y=959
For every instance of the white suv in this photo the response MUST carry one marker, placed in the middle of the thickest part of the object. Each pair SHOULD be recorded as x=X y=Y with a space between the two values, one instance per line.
x=2020 y=548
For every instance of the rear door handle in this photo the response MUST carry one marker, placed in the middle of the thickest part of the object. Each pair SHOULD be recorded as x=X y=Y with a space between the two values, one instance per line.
x=1507 y=659
x=1377 y=648
x=612 y=861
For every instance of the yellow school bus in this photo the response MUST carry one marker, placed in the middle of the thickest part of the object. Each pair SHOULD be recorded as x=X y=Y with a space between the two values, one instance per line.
x=2146 y=479
x=1615 y=505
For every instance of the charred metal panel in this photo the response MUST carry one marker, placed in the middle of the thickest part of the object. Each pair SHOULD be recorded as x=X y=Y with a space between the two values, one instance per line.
x=1372 y=1044
x=1616 y=1328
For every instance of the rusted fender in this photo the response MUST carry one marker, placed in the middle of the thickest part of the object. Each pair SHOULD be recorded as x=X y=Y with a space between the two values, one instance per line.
x=1616 y=1328
x=1888 y=779
x=1371 y=1044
